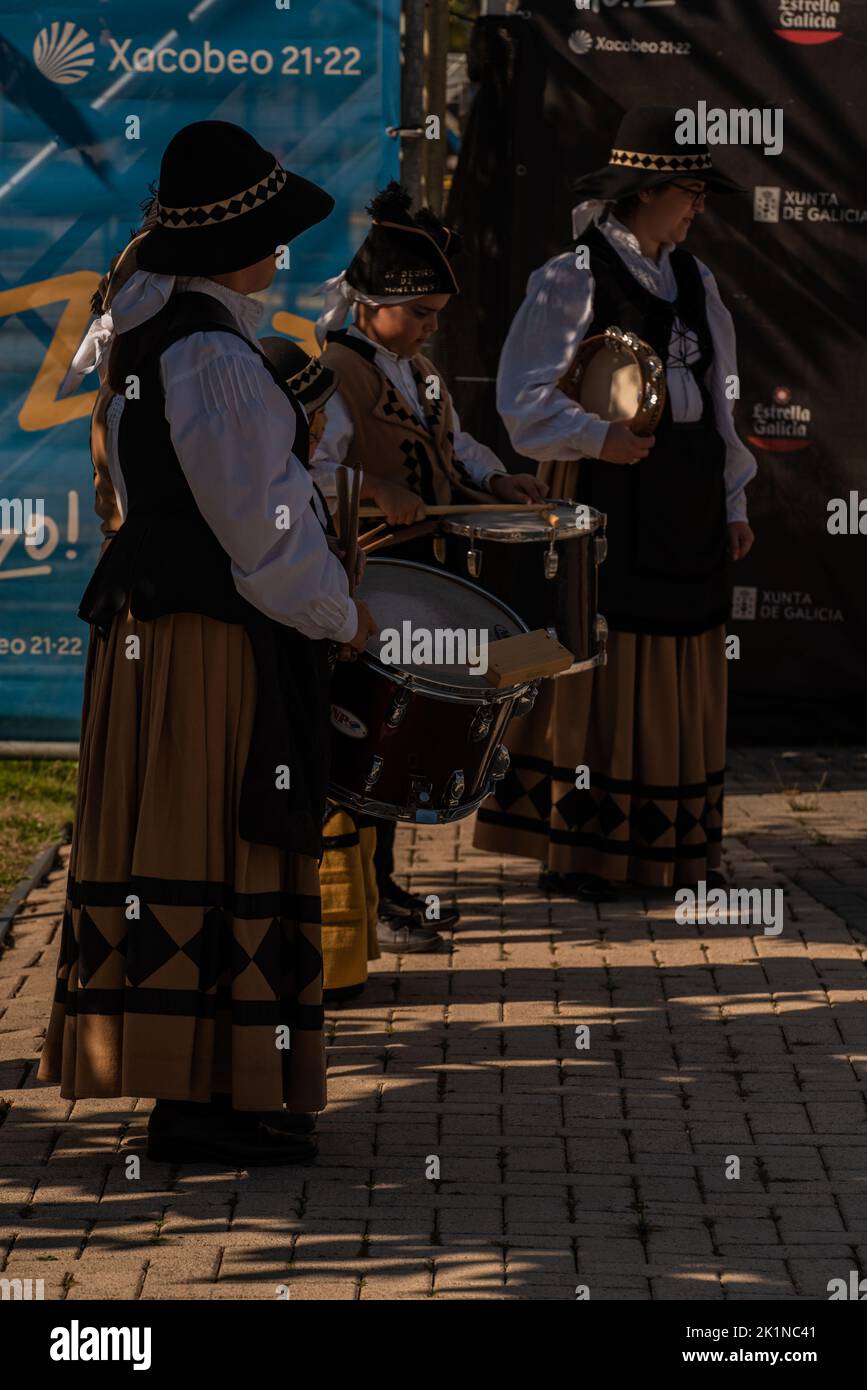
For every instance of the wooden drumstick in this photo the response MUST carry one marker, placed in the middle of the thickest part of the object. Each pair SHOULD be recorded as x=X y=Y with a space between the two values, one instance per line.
x=452 y=509
x=372 y=534
x=343 y=534
x=406 y=533
x=381 y=541
x=352 y=530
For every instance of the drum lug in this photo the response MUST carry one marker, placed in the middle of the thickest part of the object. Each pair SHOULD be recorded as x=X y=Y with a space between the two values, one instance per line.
x=500 y=764
x=601 y=548
x=474 y=562
x=481 y=725
x=398 y=709
x=420 y=791
x=439 y=549
x=552 y=561
x=600 y=631
x=376 y=767
x=525 y=702
x=455 y=787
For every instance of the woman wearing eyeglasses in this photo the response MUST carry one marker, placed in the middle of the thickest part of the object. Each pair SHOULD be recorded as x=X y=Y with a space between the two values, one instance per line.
x=650 y=725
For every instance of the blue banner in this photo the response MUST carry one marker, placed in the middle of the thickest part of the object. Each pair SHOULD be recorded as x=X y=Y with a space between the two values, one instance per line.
x=91 y=93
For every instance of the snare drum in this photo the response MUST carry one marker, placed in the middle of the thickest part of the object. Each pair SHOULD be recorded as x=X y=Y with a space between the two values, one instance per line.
x=547 y=573
x=422 y=742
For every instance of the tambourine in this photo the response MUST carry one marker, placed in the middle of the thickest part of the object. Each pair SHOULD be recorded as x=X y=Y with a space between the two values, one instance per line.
x=618 y=377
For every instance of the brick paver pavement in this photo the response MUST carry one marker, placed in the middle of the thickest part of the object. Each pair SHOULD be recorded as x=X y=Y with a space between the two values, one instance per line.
x=557 y=1166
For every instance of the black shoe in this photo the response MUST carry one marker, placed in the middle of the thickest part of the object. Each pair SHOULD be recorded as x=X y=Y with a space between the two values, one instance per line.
x=404 y=935
x=288 y=1121
x=587 y=888
x=189 y=1133
x=395 y=901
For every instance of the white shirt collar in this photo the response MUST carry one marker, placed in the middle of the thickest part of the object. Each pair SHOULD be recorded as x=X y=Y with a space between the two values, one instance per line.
x=356 y=332
x=146 y=292
x=246 y=312
x=620 y=235
x=653 y=275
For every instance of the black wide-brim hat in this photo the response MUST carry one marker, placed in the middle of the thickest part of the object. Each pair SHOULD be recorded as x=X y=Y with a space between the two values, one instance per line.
x=310 y=381
x=225 y=203
x=646 y=154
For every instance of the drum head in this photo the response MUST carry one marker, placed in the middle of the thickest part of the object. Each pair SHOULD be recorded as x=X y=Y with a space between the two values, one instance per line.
x=612 y=386
x=431 y=602
x=524 y=525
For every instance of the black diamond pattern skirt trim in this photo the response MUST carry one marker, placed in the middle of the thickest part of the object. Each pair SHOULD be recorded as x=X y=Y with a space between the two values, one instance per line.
x=190 y=959
x=650 y=727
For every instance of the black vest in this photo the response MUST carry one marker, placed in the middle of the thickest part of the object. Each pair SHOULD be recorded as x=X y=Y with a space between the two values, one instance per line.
x=165 y=559
x=667 y=567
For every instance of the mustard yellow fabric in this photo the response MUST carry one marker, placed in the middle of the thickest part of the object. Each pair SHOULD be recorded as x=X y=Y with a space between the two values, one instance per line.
x=350 y=903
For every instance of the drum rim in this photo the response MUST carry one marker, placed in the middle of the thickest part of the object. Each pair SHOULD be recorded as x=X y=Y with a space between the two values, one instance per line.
x=445 y=690
x=484 y=531
x=385 y=811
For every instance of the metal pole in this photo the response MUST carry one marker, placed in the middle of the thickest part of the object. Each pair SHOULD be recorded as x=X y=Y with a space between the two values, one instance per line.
x=435 y=104
x=412 y=98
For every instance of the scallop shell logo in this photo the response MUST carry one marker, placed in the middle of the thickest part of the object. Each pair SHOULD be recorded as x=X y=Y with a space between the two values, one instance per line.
x=63 y=52
x=580 y=42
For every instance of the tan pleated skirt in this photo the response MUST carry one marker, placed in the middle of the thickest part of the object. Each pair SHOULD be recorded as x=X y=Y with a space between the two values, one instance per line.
x=650 y=728
x=190 y=959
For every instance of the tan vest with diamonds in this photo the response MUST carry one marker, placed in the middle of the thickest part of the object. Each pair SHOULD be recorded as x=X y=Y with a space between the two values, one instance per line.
x=389 y=440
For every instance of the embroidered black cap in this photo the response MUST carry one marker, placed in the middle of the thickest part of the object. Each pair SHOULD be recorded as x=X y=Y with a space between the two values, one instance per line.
x=404 y=254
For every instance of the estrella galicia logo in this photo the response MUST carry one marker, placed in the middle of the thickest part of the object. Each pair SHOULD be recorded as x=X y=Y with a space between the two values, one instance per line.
x=809 y=21
x=783 y=426
x=63 y=53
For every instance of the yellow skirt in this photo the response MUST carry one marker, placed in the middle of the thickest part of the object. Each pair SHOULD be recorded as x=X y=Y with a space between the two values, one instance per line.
x=350 y=904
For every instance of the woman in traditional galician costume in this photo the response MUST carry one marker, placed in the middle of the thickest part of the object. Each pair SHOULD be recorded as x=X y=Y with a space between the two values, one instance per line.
x=650 y=726
x=190 y=961
x=393 y=418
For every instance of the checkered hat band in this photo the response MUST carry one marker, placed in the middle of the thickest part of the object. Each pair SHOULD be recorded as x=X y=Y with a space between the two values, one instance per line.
x=660 y=163
x=311 y=375
x=212 y=214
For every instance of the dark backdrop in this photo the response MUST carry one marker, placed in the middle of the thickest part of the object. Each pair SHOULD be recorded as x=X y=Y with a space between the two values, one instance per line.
x=790 y=260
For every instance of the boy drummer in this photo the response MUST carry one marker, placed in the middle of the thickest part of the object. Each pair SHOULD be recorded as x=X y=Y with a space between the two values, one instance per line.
x=393 y=417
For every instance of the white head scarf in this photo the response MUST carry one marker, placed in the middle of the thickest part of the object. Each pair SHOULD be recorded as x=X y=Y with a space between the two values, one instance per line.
x=585 y=213
x=339 y=297
x=143 y=295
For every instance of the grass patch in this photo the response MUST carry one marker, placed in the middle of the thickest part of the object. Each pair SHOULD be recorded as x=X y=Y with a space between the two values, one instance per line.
x=37 y=800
